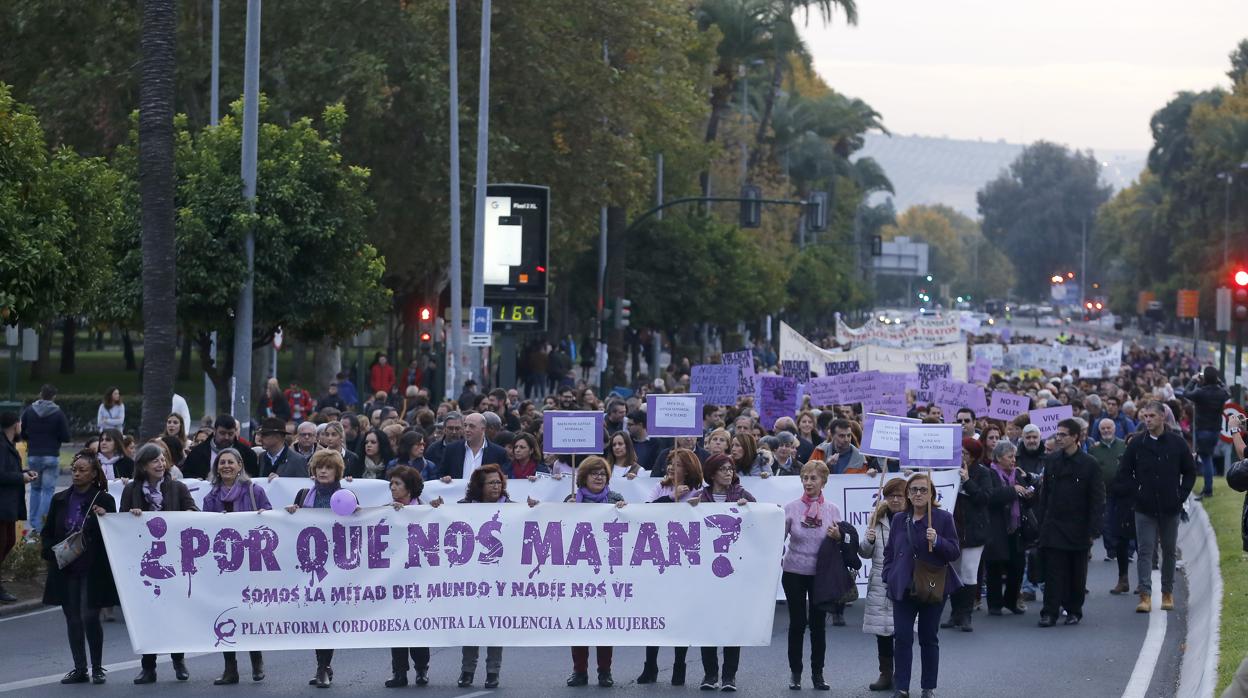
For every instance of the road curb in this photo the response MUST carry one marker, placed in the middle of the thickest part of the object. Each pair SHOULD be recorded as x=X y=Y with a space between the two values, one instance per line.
x=22 y=606
x=1198 y=671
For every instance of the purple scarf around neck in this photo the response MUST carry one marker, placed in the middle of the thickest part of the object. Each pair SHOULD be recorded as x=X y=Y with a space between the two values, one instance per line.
x=1015 y=512
x=584 y=495
x=233 y=494
x=309 y=501
x=153 y=495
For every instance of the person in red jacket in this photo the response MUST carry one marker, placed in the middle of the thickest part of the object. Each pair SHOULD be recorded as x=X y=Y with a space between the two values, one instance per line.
x=300 y=402
x=381 y=374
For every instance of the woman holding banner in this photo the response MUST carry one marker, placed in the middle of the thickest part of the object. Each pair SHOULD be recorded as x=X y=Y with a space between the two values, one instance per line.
x=877 y=619
x=592 y=477
x=154 y=489
x=85 y=585
x=722 y=485
x=327 y=468
x=684 y=478
x=233 y=491
x=919 y=574
x=406 y=486
x=808 y=520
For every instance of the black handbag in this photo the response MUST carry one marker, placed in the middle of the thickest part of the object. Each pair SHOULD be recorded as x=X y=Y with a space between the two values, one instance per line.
x=927 y=584
x=1028 y=527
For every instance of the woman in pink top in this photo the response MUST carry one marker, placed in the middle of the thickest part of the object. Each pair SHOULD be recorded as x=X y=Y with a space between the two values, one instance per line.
x=808 y=520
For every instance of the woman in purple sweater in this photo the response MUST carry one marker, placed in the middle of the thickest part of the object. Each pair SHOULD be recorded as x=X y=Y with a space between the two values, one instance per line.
x=233 y=491
x=808 y=520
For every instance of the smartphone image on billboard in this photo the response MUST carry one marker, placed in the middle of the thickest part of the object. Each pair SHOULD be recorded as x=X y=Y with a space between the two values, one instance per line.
x=503 y=236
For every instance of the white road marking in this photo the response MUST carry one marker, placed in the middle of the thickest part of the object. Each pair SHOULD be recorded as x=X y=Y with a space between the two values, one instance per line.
x=111 y=668
x=32 y=613
x=1146 y=663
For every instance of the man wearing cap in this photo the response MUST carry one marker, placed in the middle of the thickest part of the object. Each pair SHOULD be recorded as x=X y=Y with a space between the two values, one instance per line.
x=224 y=435
x=278 y=460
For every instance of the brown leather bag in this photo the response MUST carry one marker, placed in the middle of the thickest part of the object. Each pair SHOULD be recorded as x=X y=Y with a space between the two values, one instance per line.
x=927 y=586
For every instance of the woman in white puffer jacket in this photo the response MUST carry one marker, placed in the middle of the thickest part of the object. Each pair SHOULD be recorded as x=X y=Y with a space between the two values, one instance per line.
x=877 y=620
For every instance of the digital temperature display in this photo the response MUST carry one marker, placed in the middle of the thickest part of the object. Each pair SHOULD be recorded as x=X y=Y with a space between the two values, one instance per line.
x=526 y=313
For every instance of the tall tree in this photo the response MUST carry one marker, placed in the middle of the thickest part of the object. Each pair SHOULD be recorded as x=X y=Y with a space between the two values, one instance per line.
x=156 y=187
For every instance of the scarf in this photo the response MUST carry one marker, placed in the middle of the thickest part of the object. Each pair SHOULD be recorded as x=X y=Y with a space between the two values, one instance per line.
x=584 y=495
x=372 y=468
x=309 y=501
x=1015 y=512
x=813 y=508
x=233 y=495
x=524 y=469
x=108 y=463
x=153 y=495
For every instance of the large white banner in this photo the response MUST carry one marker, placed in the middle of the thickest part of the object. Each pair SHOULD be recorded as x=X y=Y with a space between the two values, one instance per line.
x=872 y=357
x=919 y=331
x=511 y=575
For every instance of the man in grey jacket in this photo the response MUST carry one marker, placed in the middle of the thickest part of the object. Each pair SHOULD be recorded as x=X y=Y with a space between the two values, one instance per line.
x=45 y=428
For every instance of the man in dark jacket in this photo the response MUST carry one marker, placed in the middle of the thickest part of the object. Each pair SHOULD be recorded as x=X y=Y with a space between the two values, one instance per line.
x=461 y=458
x=13 y=482
x=45 y=428
x=1208 y=394
x=1031 y=450
x=199 y=461
x=1159 y=464
x=452 y=432
x=279 y=460
x=1237 y=479
x=1072 y=503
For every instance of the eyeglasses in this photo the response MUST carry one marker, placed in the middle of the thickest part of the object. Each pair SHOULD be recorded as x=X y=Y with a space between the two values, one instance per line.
x=965 y=420
x=918 y=490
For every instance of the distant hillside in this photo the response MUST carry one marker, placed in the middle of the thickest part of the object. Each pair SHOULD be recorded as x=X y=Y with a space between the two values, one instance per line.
x=927 y=170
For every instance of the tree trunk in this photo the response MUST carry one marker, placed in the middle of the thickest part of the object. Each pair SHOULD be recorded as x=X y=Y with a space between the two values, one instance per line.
x=720 y=95
x=127 y=350
x=39 y=367
x=777 y=81
x=327 y=362
x=184 y=364
x=299 y=361
x=68 y=343
x=617 y=262
x=156 y=194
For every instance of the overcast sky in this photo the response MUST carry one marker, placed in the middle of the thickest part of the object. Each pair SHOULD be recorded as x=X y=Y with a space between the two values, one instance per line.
x=1085 y=73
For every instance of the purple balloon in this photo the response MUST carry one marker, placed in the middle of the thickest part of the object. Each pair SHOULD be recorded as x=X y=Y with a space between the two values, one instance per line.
x=343 y=502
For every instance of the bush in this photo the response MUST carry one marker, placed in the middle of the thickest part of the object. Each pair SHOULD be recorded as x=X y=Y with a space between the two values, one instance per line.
x=24 y=562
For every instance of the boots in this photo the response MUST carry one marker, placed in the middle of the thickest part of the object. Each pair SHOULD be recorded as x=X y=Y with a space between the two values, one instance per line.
x=817 y=682
x=678 y=674
x=230 y=675
x=649 y=673
x=257 y=666
x=179 y=670
x=322 y=678
x=399 y=680
x=1146 y=603
x=885 y=682
x=1167 y=601
x=1123 y=586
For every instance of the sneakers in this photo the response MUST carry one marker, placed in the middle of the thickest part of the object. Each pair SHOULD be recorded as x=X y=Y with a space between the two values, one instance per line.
x=710 y=683
x=1167 y=601
x=605 y=680
x=729 y=684
x=1146 y=602
x=578 y=679
x=97 y=675
x=76 y=676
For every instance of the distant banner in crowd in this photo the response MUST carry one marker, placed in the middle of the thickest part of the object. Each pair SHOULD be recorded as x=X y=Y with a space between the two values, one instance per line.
x=870 y=357
x=552 y=575
x=1106 y=361
x=919 y=331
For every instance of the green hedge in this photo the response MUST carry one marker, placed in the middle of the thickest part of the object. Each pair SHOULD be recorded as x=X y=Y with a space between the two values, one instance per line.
x=81 y=410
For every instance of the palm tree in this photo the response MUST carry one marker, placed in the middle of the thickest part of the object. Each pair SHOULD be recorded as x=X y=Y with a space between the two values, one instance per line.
x=156 y=192
x=787 y=43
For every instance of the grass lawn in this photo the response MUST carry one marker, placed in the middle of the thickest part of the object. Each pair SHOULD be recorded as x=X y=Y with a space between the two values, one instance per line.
x=1224 y=514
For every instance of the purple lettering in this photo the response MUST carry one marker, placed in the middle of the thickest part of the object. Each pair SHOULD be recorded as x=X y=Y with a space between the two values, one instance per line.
x=491 y=545
x=615 y=543
x=584 y=547
x=421 y=541
x=648 y=547
x=263 y=544
x=535 y=546
x=227 y=550
x=687 y=540
x=312 y=549
x=377 y=546
x=347 y=541
x=459 y=543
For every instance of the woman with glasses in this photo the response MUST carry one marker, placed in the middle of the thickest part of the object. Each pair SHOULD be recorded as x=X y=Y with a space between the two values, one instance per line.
x=923 y=532
x=877 y=619
x=592 y=477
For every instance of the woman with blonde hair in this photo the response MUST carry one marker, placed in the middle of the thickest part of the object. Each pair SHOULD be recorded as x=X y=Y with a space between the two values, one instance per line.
x=877 y=619
x=718 y=441
x=808 y=520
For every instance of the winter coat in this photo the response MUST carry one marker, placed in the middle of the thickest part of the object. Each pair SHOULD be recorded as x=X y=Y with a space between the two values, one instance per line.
x=110 y=417
x=45 y=428
x=971 y=513
x=12 y=483
x=198 y=461
x=1237 y=479
x=1162 y=470
x=877 y=619
x=101 y=590
x=1108 y=456
x=1030 y=461
x=1000 y=502
x=175 y=494
x=1072 y=501
x=1208 y=401
x=836 y=567
x=289 y=464
x=899 y=555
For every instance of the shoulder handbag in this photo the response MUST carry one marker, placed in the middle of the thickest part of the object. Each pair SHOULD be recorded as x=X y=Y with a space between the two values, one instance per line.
x=927 y=585
x=74 y=544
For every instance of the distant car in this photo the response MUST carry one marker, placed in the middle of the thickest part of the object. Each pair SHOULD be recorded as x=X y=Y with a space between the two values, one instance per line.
x=1050 y=321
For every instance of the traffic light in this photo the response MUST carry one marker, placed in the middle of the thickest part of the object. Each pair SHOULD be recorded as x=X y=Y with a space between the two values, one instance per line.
x=1239 y=295
x=426 y=325
x=818 y=211
x=622 y=313
x=751 y=207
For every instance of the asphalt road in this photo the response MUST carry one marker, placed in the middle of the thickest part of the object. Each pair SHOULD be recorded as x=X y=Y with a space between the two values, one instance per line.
x=1005 y=656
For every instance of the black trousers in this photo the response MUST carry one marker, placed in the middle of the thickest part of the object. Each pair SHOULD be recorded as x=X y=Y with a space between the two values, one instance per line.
x=1005 y=577
x=710 y=661
x=256 y=657
x=803 y=614
x=149 y=660
x=884 y=646
x=1065 y=578
x=324 y=658
x=652 y=656
x=398 y=658
x=82 y=624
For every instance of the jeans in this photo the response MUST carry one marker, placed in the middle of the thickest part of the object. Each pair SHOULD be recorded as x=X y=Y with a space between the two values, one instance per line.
x=1147 y=531
x=82 y=623
x=797 y=588
x=1206 y=441
x=904 y=613
x=469 y=656
x=41 y=490
x=1065 y=581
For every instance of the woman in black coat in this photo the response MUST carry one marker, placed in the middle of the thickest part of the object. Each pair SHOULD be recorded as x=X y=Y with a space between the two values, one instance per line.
x=1006 y=550
x=972 y=521
x=85 y=585
x=12 y=490
x=154 y=489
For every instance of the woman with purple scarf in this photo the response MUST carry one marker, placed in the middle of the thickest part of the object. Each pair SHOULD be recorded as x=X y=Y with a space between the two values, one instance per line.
x=234 y=492
x=327 y=468
x=1006 y=551
x=808 y=521
x=154 y=489
x=592 y=477
x=722 y=485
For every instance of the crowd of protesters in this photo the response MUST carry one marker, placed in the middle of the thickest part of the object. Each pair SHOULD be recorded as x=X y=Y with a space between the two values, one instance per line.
x=1029 y=509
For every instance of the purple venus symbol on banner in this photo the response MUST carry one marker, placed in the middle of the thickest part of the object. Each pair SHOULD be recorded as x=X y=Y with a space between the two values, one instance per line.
x=730 y=531
x=150 y=565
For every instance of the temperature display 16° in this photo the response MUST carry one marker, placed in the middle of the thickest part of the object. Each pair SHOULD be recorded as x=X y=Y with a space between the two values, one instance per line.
x=526 y=313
